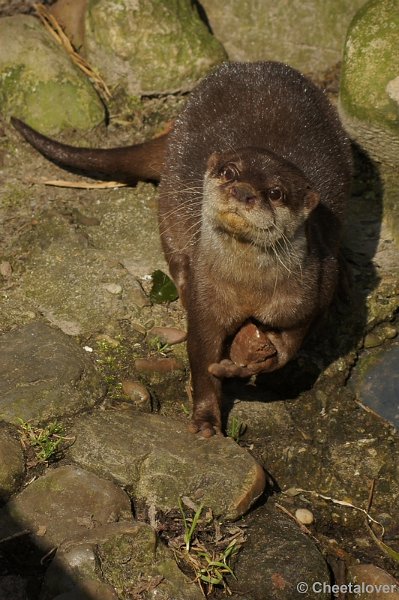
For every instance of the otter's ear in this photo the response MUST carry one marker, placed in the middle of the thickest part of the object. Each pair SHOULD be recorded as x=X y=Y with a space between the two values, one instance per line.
x=213 y=161
x=312 y=199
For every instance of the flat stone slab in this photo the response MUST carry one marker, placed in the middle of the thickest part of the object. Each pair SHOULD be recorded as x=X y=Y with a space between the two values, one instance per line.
x=12 y=464
x=44 y=374
x=159 y=461
x=62 y=503
x=120 y=557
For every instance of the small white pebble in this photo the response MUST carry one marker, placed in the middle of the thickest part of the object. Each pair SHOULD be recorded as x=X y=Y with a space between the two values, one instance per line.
x=304 y=516
x=87 y=348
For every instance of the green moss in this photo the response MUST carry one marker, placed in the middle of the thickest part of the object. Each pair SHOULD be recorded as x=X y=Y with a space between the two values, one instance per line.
x=371 y=61
x=39 y=83
x=159 y=46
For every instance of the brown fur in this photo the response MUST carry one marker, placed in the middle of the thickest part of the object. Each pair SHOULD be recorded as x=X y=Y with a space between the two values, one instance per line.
x=253 y=188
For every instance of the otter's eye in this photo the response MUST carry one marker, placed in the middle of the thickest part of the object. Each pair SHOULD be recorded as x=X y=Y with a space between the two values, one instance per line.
x=229 y=172
x=274 y=194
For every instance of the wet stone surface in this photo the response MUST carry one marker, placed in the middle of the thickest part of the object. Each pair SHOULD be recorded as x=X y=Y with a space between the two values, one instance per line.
x=376 y=382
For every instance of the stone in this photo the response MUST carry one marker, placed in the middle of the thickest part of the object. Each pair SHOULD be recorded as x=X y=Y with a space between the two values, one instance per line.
x=369 y=90
x=158 y=461
x=251 y=30
x=250 y=345
x=125 y=557
x=61 y=503
x=377 y=584
x=70 y=293
x=168 y=335
x=304 y=516
x=12 y=464
x=138 y=393
x=283 y=557
x=39 y=83
x=149 y=46
x=375 y=379
x=44 y=374
x=70 y=14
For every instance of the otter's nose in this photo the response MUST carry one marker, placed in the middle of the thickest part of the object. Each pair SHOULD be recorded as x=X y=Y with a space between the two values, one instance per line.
x=243 y=193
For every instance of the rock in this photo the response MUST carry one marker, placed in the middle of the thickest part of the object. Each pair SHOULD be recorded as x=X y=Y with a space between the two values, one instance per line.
x=168 y=335
x=304 y=516
x=71 y=291
x=250 y=345
x=369 y=91
x=126 y=557
x=12 y=464
x=253 y=30
x=44 y=374
x=159 y=461
x=61 y=503
x=136 y=294
x=276 y=557
x=39 y=83
x=149 y=46
x=13 y=586
x=375 y=379
x=113 y=288
x=70 y=14
x=369 y=95
x=158 y=365
x=369 y=582
x=89 y=590
x=5 y=269
x=138 y=393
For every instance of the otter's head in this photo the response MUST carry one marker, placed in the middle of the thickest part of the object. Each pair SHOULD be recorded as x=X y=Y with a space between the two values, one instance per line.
x=256 y=196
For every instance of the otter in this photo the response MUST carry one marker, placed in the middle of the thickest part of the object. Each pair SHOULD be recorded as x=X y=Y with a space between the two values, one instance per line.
x=254 y=178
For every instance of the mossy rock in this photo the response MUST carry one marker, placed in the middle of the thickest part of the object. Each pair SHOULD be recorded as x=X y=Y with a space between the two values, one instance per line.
x=369 y=91
x=38 y=81
x=149 y=46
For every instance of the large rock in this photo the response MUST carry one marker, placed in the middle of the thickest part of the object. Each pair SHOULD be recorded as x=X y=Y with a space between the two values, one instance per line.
x=277 y=559
x=38 y=81
x=44 y=374
x=150 y=46
x=369 y=94
x=12 y=464
x=63 y=503
x=369 y=90
x=159 y=461
x=120 y=556
x=253 y=30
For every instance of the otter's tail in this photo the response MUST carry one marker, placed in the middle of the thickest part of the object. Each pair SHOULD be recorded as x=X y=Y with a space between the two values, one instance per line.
x=142 y=162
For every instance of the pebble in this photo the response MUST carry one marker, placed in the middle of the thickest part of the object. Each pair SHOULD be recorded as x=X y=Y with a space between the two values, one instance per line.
x=5 y=269
x=390 y=332
x=373 y=340
x=137 y=392
x=113 y=288
x=158 y=365
x=377 y=583
x=168 y=335
x=304 y=516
